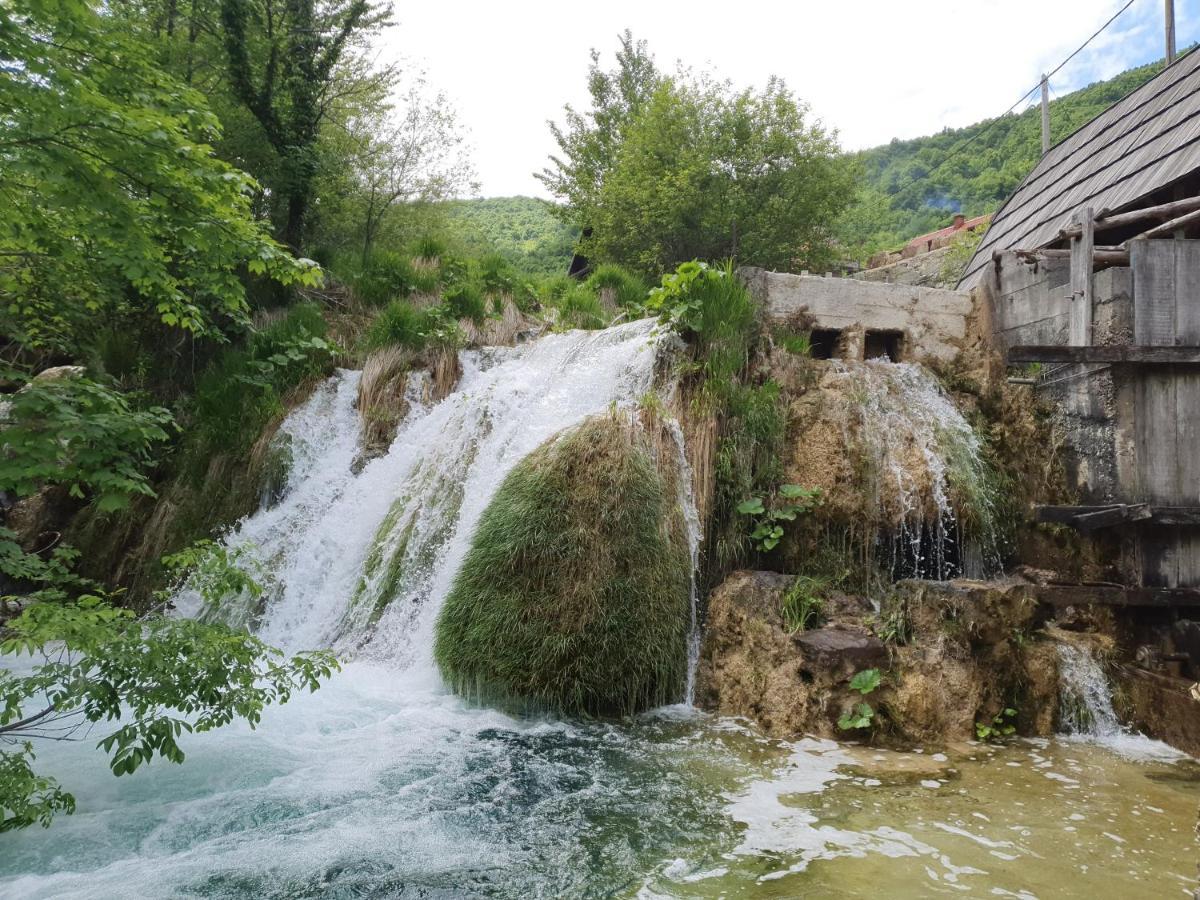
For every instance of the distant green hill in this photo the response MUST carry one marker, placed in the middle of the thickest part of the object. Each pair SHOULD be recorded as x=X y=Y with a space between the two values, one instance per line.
x=523 y=229
x=909 y=191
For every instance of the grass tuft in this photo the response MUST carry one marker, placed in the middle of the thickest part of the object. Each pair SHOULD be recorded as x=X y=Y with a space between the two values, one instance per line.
x=574 y=595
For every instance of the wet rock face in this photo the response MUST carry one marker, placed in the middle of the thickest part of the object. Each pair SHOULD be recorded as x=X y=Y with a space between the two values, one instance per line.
x=969 y=650
x=752 y=665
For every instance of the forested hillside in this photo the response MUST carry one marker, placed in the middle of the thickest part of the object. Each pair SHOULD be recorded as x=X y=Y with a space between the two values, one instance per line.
x=911 y=187
x=522 y=229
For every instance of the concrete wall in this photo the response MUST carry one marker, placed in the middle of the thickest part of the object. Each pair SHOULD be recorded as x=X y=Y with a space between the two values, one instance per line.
x=933 y=321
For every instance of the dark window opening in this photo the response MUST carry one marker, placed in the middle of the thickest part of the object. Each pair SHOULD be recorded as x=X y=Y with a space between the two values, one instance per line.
x=884 y=343
x=823 y=343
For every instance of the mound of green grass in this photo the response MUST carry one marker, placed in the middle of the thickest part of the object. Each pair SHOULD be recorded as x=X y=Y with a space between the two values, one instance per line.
x=574 y=595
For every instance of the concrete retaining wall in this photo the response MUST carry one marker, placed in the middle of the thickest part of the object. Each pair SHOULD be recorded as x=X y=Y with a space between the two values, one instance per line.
x=933 y=321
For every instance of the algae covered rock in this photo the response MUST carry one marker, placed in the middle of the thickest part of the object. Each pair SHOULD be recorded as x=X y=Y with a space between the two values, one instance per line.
x=575 y=593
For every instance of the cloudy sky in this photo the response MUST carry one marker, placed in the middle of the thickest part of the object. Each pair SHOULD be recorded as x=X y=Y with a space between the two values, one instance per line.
x=872 y=69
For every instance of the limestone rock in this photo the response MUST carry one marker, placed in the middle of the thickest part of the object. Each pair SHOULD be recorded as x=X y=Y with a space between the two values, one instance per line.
x=840 y=650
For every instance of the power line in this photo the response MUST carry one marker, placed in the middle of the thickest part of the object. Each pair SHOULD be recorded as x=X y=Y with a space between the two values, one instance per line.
x=958 y=150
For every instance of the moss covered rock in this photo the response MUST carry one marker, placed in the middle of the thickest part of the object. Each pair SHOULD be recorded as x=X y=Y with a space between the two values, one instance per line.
x=575 y=593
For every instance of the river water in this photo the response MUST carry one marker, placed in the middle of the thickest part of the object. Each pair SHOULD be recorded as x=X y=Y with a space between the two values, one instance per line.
x=384 y=784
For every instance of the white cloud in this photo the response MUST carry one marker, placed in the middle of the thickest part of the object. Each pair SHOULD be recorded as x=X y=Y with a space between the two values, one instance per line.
x=873 y=69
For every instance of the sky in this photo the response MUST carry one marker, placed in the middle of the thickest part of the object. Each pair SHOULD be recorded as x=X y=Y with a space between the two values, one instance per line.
x=871 y=69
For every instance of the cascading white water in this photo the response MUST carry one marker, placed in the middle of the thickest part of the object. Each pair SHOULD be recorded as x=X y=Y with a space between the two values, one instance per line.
x=1086 y=706
x=361 y=562
x=922 y=457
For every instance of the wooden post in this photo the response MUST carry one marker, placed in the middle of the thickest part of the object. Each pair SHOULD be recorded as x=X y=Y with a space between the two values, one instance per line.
x=1046 y=114
x=1082 y=248
x=1169 y=16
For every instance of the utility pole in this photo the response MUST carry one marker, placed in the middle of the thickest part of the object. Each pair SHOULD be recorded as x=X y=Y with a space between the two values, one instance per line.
x=1169 y=15
x=1046 y=114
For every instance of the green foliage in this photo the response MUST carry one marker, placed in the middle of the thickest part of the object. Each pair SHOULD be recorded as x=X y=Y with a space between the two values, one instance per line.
x=629 y=291
x=579 y=307
x=242 y=390
x=1001 y=726
x=27 y=798
x=790 y=501
x=958 y=254
x=465 y=301
x=281 y=65
x=74 y=431
x=430 y=246
x=524 y=231
x=710 y=306
x=385 y=277
x=151 y=676
x=916 y=186
x=115 y=207
x=861 y=715
x=216 y=572
x=866 y=681
x=667 y=169
x=799 y=343
x=803 y=605
x=856 y=718
x=574 y=594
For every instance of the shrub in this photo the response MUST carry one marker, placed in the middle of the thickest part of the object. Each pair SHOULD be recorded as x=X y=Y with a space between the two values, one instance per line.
x=710 y=306
x=629 y=291
x=574 y=594
x=497 y=274
x=399 y=324
x=580 y=308
x=429 y=247
x=238 y=394
x=465 y=301
x=386 y=276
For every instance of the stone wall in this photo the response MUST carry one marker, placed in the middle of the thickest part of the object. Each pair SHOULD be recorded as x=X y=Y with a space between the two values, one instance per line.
x=927 y=269
x=932 y=321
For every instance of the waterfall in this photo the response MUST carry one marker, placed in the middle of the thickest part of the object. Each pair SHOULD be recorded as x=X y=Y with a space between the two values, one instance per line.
x=932 y=491
x=1085 y=697
x=695 y=531
x=361 y=562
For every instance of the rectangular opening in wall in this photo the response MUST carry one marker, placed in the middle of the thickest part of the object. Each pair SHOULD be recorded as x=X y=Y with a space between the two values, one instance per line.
x=884 y=343
x=823 y=342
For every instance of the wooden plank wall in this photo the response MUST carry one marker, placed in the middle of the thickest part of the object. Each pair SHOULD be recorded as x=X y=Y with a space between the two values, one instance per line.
x=1166 y=405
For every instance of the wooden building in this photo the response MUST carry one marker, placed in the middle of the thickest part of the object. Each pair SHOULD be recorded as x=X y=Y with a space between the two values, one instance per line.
x=1090 y=276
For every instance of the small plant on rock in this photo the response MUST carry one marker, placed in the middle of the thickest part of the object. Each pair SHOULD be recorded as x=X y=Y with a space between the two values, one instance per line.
x=861 y=715
x=766 y=522
x=1000 y=727
x=803 y=604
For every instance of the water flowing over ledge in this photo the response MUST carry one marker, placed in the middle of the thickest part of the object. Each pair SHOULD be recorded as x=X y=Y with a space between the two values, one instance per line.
x=362 y=562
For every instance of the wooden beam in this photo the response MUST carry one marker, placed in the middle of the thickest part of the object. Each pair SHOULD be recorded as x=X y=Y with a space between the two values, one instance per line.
x=1091 y=518
x=1113 y=256
x=1161 y=212
x=1168 y=227
x=1175 y=515
x=1115 y=595
x=1082 y=262
x=1138 y=354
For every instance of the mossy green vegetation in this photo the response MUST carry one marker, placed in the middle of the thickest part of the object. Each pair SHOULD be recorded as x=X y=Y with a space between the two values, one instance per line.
x=574 y=595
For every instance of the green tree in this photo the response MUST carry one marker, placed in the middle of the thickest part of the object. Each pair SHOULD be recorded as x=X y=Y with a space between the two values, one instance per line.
x=409 y=152
x=590 y=141
x=706 y=172
x=284 y=58
x=151 y=677
x=115 y=206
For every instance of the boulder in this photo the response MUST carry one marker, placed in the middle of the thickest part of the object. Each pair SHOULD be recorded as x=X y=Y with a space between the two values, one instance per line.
x=839 y=651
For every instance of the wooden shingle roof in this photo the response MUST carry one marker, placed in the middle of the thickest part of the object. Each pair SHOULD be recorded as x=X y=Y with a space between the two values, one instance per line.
x=1143 y=142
